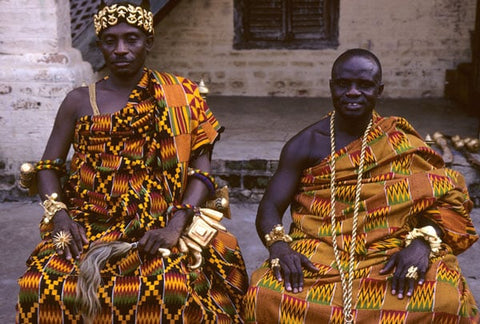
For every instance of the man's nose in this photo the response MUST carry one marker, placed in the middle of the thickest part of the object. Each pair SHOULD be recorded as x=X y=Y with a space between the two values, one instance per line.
x=353 y=90
x=120 y=48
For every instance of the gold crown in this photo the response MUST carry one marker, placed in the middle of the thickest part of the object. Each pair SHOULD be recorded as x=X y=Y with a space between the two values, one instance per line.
x=135 y=16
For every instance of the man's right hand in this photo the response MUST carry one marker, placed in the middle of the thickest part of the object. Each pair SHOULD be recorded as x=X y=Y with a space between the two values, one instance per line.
x=63 y=222
x=291 y=264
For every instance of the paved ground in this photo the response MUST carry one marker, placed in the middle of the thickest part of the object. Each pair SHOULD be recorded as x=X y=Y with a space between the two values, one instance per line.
x=257 y=128
x=19 y=235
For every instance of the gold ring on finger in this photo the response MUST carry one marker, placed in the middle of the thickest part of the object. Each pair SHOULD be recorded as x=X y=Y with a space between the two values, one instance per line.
x=62 y=239
x=275 y=263
x=412 y=273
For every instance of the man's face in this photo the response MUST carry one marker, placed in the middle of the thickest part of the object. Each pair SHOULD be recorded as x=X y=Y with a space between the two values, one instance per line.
x=124 y=48
x=355 y=86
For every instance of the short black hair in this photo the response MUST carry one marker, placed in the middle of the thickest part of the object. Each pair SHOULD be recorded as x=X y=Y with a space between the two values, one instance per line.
x=357 y=52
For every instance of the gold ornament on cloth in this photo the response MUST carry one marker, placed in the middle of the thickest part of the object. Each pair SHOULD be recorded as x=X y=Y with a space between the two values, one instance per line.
x=61 y=240
x=133 y=15
x=164 y=252
x=347 y=287
x=277 y=234
x=429 y=234
x=412 y=273
x=51 y=207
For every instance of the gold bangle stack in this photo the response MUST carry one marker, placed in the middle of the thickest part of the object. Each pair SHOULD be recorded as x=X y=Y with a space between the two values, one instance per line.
x=27 y=173
x=429 y=234
x=51 y=207
x=277 y=234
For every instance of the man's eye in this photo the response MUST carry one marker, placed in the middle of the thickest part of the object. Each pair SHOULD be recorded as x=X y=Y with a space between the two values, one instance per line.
x=132 y=39
x=366 y=84
x=342 y=83
x=108 y=41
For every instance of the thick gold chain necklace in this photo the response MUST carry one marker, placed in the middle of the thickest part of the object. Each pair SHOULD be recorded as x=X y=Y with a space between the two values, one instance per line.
x=347 y=287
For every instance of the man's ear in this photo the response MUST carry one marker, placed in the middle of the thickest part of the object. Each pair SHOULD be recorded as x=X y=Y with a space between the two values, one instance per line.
x=149 y=42
x=380 y=89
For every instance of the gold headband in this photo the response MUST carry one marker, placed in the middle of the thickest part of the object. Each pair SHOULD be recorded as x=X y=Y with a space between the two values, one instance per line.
x=135 y=16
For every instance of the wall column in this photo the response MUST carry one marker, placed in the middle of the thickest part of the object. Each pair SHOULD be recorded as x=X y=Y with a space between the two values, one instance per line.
x=38 y=67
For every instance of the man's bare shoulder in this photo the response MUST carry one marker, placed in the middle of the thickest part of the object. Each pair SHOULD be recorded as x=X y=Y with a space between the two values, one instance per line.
x=320 y=128
x=77 y=102
x=309 y=145
x=80 y=93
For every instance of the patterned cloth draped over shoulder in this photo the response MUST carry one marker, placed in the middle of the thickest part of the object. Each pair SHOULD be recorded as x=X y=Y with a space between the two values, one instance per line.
x=403 y=178
x=127 y=169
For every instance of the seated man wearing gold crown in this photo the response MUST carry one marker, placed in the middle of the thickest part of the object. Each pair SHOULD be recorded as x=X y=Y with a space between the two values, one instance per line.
x=377 y=219
x=142 y=145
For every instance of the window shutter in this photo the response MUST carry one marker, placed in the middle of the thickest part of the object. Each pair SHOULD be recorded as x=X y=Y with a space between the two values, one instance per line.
x=307 y=19
x=265 y=20
x=292 y=24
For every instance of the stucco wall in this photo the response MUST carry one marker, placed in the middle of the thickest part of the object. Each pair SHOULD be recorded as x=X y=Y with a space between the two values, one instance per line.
x=417 y=41
x=38 y=67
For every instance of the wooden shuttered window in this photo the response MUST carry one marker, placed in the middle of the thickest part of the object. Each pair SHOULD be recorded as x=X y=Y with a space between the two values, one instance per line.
x=302 y=24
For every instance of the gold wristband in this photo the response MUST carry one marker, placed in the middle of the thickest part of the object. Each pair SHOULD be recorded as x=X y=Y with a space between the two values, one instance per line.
x=277 y=234
x=427 y=233
x=205 y=225
x=51 y=207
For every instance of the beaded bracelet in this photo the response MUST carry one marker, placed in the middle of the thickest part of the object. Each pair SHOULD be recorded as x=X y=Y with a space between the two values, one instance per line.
x=57 y=165
x=173 y=209
x=206 y=178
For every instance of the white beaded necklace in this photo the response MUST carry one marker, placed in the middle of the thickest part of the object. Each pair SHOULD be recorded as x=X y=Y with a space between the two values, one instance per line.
x=346 y=287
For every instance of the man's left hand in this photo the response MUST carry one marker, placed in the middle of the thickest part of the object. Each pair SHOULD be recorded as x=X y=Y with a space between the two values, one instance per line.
x=415 y=255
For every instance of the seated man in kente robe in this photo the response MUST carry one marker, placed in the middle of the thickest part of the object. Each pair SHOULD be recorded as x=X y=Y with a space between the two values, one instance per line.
x=377 y=219
x=139 y=174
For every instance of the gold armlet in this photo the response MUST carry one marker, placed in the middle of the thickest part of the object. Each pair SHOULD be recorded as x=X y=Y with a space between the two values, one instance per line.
x=429 y=234
x=51 y=207
x=277 y=234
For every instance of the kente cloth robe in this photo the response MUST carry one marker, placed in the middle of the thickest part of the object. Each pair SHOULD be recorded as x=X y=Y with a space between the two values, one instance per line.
x=127 y=169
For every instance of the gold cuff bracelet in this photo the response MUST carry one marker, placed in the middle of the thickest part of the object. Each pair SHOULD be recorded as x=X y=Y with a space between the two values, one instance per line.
x=277 y=234
x=429 y=234
x=51 y=207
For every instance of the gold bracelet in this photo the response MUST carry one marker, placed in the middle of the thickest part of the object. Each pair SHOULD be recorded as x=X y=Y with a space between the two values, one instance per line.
x=205 y=225
x=51 y=207
x=427 y=233
x=277 y=234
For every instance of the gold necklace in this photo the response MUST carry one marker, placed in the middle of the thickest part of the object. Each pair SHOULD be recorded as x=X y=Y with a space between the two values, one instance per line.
x=347 y=287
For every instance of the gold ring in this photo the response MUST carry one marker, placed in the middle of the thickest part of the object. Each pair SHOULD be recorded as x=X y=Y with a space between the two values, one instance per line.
x=62 y=239
x=275 y=263
x=412 y=273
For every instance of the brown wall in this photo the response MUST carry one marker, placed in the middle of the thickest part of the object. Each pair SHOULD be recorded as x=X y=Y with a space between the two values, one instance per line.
x=417 y=41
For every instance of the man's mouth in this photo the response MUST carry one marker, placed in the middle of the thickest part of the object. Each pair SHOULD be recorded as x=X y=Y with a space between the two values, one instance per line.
x=353 y=105
x=121 y=63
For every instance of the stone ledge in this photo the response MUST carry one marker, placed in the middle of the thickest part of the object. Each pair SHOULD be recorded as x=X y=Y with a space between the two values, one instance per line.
x=248 y=179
